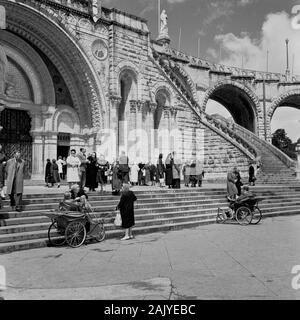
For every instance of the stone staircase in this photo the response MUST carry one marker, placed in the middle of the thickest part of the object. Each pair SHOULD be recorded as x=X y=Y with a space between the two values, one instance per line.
x=277 y=167
x=156 y=210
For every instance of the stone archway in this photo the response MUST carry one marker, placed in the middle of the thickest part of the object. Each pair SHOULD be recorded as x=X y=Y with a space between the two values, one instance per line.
x=288 y=99
x=47 y=36
x=240 y=101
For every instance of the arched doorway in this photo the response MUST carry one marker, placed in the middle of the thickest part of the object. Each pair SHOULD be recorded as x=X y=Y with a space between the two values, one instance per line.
x=15 y=136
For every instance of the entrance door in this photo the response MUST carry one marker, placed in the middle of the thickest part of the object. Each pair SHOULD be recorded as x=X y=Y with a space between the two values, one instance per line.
x=63 y=144
x=15 y=136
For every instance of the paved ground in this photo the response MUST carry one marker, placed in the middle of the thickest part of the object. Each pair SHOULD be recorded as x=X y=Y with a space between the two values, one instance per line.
x=209 y=262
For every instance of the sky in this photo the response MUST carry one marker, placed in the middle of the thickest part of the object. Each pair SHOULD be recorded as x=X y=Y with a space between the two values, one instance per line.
x=233 y=32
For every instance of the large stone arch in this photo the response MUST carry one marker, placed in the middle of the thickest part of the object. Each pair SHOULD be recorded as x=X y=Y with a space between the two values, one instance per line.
x=23 y=55
x=162 y=86
x=240 y=97
x=71 y=114
x=45 y=34
x=289 y=99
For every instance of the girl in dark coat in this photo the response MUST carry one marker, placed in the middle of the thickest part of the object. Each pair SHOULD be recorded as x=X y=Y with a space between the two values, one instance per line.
x=91 y=172
x=126 y=207
x=169 y=170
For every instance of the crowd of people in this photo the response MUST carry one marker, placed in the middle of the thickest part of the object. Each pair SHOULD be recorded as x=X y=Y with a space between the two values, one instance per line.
x=91 y=171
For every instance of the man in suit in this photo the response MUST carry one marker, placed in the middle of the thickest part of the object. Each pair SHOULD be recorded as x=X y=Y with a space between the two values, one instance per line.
x=15 y=180
x=82 y=169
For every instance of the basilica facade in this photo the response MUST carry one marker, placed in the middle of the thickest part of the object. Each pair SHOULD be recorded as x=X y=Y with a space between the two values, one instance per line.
x=75 y=74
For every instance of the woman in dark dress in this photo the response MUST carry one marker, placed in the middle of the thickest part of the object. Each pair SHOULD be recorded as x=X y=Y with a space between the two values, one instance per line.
x=55 y=174
x=116 y=183
x=160 y=171
x=103 y=167
x=126 y=207
x=91 y=172
x=48 y=174
x=169 y=170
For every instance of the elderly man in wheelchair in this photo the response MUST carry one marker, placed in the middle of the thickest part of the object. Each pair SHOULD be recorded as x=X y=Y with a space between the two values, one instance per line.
x=235 y=202
x=77 y=200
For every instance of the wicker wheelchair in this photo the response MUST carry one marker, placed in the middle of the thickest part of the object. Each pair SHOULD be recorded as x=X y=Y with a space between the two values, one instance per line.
x=74 y=228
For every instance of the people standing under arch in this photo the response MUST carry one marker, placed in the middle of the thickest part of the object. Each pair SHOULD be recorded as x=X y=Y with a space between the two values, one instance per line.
x=73 y=164
x=103 y=168
x=15 y=169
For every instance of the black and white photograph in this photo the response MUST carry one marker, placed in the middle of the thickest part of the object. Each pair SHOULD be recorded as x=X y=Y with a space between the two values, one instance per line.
x=149 y=151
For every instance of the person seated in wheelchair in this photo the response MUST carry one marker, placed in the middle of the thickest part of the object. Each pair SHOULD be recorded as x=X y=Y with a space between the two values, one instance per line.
x=245 y=195
x=77 y=200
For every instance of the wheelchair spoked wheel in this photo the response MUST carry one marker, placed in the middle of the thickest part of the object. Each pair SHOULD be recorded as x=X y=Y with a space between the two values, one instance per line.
x=243 y=216
x=256 y=215
x=75 y=234
x=99 y=229
x=221 y=216
x=56 y=235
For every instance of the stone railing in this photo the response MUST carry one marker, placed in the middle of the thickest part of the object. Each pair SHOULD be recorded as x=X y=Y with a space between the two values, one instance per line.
x=205 y=119
x=232 y=71
x=290 y=163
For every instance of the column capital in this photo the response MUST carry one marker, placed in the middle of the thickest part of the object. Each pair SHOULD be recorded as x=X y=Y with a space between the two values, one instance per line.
x=174 y=111
x=166 y=111
x=152 y=107
x=115 y=100
x=140 y=105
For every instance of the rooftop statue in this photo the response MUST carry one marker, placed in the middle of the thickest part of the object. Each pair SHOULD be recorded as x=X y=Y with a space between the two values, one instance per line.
x=163 y=24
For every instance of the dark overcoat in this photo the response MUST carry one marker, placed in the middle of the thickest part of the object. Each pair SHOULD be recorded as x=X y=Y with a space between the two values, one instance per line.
x=126 y=207
x=17 y=172
x=3 y=159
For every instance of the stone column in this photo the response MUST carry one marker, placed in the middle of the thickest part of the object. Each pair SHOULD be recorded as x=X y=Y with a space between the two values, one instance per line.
x=114 y=121
x=132 y=130
x=153 y=152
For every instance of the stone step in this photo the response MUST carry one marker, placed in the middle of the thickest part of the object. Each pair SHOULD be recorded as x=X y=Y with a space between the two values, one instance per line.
x=143 y=206
x=43 y=242
x=43 y=222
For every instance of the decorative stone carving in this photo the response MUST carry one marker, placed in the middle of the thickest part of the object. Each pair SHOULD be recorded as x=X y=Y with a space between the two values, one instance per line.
x=99 y=49
x=133 y=106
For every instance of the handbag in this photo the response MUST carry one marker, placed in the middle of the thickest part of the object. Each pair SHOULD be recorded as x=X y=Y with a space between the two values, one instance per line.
x=118 y=220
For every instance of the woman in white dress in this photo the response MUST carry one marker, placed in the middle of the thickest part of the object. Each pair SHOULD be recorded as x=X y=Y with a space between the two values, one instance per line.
x=73 y=164
x=134 y=171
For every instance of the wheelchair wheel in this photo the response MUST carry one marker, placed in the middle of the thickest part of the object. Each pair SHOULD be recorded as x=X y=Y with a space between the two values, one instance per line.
x=99 y=229
x=243 y=216
x=256 y=215
x=56 y=235
x=221 y=216
x=75 y=234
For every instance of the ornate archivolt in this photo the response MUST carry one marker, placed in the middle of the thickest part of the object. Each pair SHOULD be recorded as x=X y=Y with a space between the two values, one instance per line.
x=65 y=115
x=69 y=59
